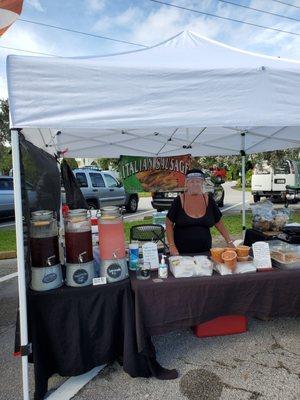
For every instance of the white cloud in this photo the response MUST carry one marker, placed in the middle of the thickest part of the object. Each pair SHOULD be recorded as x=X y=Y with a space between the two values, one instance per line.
x=36 y=4
x=102 y=25
x=25 y=37
x=129 y=17
x=95 y=5
x=125 y=20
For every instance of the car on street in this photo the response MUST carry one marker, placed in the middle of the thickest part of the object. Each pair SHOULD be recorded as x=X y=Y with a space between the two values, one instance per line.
x=101 y=188
x=6 y=196
x=7 y=206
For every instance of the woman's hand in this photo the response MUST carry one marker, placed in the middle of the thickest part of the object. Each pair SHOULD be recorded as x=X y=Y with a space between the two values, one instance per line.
x=230 y=244
x=173 y=250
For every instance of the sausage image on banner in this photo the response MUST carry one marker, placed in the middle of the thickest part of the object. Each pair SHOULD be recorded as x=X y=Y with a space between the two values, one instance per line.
x=157 y=179
x=153 y=173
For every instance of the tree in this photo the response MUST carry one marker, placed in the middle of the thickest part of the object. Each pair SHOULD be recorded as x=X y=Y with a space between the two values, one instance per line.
x=4 y=123
x=5 y=160
x=5 y=151
x=108 y=163
x=276 y=157
x=72 y=163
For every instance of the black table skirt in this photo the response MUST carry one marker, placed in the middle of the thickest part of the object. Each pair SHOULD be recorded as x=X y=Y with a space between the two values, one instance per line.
x=73 y=330
x=178 y=303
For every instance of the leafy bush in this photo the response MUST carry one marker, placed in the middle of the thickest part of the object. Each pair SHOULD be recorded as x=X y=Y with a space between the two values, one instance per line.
x=248 y=179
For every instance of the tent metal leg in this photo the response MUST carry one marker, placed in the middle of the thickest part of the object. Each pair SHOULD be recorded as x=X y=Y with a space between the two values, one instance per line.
x=243 y=183
x=20 y=255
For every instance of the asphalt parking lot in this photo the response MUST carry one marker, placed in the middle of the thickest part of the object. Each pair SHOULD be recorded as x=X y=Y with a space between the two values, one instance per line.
x=263 y=363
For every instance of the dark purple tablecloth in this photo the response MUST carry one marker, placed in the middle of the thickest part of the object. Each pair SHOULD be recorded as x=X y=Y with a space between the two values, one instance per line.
x=73 y=330
x=178 y=303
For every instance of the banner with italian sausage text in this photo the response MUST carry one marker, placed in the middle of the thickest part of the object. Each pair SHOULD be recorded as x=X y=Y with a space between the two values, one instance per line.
x=150 y=174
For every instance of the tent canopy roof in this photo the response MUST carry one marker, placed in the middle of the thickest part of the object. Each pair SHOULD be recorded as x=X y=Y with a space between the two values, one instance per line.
x=188 y=94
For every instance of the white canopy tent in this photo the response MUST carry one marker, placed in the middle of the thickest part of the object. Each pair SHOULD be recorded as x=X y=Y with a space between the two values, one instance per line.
x=188 y=94
x=136 y=101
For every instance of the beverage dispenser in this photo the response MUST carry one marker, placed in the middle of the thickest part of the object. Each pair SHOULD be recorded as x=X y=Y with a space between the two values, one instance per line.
x=46 y=271
x=79 y=249
x=112 y=244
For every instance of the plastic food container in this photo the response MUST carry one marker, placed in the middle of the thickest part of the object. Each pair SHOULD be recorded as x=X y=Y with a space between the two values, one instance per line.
x=285 y=255
x=242 y=251
x=229 y=257
x=216 y=254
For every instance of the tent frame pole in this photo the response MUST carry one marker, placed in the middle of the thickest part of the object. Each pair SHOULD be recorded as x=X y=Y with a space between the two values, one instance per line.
x=20 y=258
x=243 y=154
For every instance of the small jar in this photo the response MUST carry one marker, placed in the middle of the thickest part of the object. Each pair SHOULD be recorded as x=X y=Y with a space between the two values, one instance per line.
x=143 y=270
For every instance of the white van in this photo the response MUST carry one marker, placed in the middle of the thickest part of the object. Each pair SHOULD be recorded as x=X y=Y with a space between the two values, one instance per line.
x=270 y=181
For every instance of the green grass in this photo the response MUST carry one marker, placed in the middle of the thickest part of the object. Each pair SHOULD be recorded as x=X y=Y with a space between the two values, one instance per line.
x=7 y=239
x=144 y=194
x=232 y=222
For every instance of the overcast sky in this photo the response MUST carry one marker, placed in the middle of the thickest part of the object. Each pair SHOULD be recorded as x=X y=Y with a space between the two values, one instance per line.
x=146 y=22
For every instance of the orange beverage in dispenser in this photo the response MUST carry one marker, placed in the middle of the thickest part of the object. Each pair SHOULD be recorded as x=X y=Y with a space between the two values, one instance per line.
x=111 y=240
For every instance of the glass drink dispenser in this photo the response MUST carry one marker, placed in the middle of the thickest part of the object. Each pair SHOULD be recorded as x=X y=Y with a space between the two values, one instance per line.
x=43 y=239
x=112 y=244
x=78 y=236
x=111 y=234
x=45 y=265
x=79 y=248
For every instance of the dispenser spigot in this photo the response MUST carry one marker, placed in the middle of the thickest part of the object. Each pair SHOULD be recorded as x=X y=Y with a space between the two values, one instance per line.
x=49 y=260
x=80 y=257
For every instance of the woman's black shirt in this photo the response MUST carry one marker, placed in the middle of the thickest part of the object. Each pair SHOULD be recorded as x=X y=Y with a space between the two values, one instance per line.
x=192 y=235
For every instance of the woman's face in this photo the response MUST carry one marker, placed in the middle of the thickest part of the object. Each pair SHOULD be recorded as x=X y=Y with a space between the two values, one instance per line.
x=194 y=185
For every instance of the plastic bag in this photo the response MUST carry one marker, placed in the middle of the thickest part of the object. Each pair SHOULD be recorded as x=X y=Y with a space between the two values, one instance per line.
x=266 y=218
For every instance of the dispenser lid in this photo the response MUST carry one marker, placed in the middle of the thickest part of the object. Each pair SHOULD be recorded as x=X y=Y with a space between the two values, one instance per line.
x=78 y=212
x=42 y=215
x=110 y=212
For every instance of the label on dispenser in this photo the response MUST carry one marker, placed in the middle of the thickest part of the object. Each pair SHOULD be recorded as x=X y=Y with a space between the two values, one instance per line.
x=49 y=278
x=114 y=271
x=80 y=276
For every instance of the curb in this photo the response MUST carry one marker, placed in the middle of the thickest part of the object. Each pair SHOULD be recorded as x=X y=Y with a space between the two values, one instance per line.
x=6 y=255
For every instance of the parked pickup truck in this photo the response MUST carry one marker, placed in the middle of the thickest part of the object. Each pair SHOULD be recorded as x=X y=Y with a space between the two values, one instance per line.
x=102 y=188
x=271 y=181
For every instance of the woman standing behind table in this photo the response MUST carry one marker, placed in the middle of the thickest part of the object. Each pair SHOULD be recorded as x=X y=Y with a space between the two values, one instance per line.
x=191 y=216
